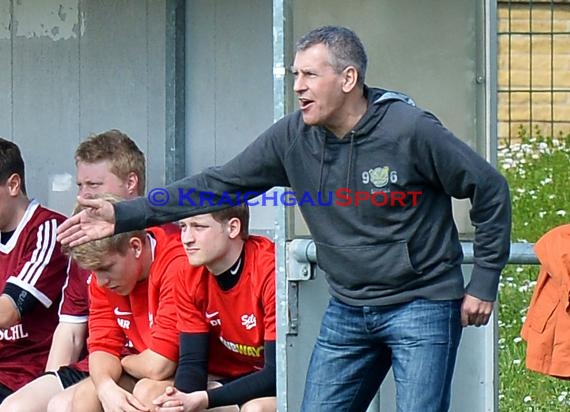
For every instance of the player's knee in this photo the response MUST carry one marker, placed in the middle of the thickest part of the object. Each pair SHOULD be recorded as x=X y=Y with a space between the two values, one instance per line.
x=257 y=406
x=60 y=403
x=251 y=407
x=82 y=394
x=14 y=403
x=143 y=390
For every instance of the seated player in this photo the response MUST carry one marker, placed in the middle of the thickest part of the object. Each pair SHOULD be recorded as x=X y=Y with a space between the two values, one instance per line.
x=32 y=272
x=109 y=162
x=132 y=299
x=226 y=310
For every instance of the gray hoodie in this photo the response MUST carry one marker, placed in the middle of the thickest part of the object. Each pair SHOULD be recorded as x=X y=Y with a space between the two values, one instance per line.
x=400 y=242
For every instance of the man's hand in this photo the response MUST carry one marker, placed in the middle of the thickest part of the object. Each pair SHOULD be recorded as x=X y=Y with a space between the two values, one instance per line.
x=95 y=222
x=175 y=401
x=475 y=311
x=115 y=399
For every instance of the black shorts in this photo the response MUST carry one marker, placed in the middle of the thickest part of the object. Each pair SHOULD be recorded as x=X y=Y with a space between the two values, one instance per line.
x=68 y=376
x=4 y=392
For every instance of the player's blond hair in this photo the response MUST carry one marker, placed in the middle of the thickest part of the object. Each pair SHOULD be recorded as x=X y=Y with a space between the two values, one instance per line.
x=91 y=255
x=118 y=149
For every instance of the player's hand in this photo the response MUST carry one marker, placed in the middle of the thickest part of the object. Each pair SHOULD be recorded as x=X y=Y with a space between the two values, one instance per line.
x=475 y=311
x=95 y=222
x=172 y=400
x=113 y=398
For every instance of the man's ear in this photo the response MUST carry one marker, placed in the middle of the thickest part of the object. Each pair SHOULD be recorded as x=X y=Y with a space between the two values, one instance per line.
x=233 y=227
x=14 y=184
x=132 y=183
x=136 y=245
x=350 y=79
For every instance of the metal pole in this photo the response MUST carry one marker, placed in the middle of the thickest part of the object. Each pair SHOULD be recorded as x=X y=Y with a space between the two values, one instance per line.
x=305 y=251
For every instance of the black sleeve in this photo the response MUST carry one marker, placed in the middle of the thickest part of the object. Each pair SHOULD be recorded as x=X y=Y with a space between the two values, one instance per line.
x=192 y=371
x=255 y=385
x=23 y=299
x=258 y=168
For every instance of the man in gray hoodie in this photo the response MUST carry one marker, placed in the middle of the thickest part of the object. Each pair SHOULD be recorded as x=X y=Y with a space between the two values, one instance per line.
x=376 y=175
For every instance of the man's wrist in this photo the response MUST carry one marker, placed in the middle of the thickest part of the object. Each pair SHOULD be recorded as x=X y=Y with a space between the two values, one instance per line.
x=205 y=399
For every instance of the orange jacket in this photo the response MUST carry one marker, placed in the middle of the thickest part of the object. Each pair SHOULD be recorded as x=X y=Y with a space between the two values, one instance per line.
x=547 y=325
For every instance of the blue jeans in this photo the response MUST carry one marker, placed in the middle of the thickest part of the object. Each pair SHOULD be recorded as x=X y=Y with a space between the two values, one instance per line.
x=357 y=346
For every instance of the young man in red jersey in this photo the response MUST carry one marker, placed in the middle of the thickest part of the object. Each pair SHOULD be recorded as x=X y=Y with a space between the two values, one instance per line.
x=108 y=162
x=132 y=300
x=226 y=317
x=32 y=272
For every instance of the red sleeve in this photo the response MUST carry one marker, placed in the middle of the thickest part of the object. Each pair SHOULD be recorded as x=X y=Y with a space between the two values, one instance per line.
x=74 y=306
x=268 y=300
x=42 y=266
x=190 y=301
x=164 y=331
x=104 y=332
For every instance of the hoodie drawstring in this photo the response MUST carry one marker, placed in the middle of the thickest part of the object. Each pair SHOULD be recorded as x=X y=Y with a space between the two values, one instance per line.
x=323 y=149
x=350 y=159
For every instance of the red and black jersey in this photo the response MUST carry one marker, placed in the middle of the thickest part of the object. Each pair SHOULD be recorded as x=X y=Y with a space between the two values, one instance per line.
x=31 y=265
x=147 y=316
x=238 y=320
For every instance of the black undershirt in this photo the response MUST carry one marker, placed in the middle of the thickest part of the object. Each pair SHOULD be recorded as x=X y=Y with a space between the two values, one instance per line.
x=5 y=236
x=192 y=374
x=230 y=277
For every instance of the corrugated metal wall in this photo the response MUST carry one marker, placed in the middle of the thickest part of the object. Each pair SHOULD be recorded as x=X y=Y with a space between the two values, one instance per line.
x=69 y=68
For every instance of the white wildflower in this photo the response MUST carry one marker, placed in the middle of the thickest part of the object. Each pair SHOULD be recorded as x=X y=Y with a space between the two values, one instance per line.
x=527 y=399
x=546 y=181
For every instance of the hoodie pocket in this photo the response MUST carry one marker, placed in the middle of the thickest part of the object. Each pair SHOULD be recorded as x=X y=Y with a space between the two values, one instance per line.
x=380 y=266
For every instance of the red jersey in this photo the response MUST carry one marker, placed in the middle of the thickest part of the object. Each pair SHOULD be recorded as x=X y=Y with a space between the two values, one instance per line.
x=31 y=260
x=147 y=316
x=239 y=320
x=74 y=306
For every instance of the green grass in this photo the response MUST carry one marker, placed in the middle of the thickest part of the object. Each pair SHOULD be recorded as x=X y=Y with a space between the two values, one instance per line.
x=538 y=171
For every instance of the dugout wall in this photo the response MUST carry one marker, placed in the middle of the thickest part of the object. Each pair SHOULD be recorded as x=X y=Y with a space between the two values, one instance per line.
x=69 y=68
